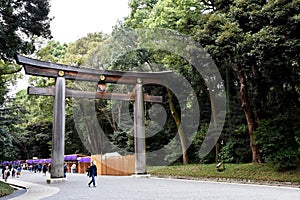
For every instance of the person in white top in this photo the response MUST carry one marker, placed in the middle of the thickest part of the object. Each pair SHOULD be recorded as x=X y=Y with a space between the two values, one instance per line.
x=73 y=168
x=6 y=173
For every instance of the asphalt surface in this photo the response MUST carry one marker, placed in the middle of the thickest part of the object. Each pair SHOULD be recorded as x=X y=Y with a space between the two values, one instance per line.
x=128 y=188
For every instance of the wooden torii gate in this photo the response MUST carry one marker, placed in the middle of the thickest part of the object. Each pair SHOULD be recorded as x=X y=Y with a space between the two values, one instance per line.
x=100 y=77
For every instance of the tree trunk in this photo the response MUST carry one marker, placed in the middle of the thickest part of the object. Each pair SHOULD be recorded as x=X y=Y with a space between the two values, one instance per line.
x=180 y=131
x=256 y=158
x=215 y=123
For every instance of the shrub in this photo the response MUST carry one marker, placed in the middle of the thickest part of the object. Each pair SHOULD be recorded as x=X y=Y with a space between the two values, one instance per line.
x=5 y=189
x=277 y=140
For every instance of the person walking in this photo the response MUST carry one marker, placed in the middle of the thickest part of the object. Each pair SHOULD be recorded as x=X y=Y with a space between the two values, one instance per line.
x=44 y=169
x=92 y=172
x=73 y=168
x=13 y=172
x=65 y=170
x=6 y=173
x=19 y=169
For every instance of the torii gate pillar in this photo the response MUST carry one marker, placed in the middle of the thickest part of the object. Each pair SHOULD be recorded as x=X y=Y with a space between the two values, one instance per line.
x=139 y=130
x=58 y=135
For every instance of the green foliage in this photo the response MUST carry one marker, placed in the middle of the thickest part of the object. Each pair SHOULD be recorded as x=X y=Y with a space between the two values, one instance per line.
x=9 y=117
x=8 y=78
x=277 y=138
x=193 y=150
x=260 y=38
x=140 y=10
x=178 y=15
x=31 y=127
x=236 y=145
x=52 y=52
x=77 y=52
x=254 y=37
x=21 y=22
x=124 y=141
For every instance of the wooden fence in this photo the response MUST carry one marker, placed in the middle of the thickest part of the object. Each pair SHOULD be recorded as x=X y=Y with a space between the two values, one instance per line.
x=115 y=166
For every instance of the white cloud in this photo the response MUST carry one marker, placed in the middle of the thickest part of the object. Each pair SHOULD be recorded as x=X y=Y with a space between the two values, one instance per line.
x=76 y=18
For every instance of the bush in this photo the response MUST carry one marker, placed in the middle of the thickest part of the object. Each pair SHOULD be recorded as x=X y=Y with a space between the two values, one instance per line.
x=277 y=140
x=236 y=145
x=194 y=149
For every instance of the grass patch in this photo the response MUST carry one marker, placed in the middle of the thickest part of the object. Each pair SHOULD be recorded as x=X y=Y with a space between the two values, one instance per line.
x=255 y=172
x=5 y=189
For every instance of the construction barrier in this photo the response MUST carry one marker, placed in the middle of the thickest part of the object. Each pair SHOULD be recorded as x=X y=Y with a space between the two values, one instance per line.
x=114 y=165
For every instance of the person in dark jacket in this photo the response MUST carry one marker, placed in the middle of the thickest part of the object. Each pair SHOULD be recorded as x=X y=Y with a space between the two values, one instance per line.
x=44 y=169
x=65 y=170
x=92 y=172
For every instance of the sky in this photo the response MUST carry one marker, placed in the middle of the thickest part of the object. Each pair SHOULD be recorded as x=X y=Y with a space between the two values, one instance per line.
x=74 y=19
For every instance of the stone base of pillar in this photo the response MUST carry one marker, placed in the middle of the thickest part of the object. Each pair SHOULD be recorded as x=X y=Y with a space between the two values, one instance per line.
x=56 y=180
x=141 y=176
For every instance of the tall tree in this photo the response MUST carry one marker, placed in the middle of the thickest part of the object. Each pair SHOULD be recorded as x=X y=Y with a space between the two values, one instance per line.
x=21 y=22
x=252 y=37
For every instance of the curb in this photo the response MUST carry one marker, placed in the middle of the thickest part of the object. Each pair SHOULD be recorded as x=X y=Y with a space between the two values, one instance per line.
x=17 y=186
x=239 y=181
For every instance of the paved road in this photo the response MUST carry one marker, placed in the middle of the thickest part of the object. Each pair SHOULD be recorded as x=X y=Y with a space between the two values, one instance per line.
x=130 y=188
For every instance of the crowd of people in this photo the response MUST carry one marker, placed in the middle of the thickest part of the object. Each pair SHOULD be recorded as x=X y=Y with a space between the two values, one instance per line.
x=39 y=168
x=11 y=170
x=15 y=170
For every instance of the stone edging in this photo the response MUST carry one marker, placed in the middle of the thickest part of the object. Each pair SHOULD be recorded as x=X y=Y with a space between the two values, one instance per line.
x=232 y=180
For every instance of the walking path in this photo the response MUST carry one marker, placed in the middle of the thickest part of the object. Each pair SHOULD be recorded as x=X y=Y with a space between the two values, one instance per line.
x=34 y=191
x=35 y=184
x=128 y=188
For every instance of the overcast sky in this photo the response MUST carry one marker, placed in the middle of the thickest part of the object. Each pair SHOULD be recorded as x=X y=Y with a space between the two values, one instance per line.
x=74 y=19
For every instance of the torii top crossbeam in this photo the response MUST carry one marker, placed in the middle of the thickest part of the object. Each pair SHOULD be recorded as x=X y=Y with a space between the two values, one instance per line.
x=53 y=70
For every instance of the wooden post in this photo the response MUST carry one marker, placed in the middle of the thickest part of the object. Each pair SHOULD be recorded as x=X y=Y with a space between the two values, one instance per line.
x=58 y=135
x=139 y=130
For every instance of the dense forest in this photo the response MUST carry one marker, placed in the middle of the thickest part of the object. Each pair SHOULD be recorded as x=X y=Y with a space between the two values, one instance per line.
x=255 y=45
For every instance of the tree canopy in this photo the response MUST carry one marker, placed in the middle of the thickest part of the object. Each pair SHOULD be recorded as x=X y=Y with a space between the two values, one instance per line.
x=257 y=42
x=22 y=21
